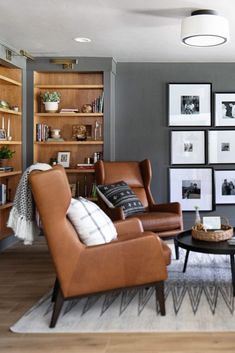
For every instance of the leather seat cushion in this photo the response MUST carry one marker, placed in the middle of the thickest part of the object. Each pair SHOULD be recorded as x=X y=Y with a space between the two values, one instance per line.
x=159 y=221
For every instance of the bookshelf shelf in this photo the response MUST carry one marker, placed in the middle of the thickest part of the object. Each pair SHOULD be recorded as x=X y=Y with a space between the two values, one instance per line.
x=11 y=92
x=77 y=89
x=70 y=86
x=6 y=205
x=62 y=115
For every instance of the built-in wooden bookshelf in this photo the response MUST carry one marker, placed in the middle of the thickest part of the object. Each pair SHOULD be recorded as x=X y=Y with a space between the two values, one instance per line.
x=11 y=92
x=76 y=90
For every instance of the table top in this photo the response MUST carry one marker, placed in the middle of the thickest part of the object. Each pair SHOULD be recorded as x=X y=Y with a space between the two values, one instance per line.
x=185 y=241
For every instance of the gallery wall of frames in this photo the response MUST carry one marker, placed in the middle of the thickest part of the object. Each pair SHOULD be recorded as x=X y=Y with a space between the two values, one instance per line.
x=202 y=138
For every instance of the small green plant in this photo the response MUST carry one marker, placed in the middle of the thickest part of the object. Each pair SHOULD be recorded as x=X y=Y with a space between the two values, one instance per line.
x=6 y=153
x=51 y=96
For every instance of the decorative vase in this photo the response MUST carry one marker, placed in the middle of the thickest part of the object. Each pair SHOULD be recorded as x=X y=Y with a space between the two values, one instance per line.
x=4 y=162
x=197 y=216
x=51 y=107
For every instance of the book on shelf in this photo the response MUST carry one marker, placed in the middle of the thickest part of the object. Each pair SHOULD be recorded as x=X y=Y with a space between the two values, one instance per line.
x=98 y=104
x=69 y=110
x=85 y=166
x=3 y=194
x=6 y=169
x=42 y=132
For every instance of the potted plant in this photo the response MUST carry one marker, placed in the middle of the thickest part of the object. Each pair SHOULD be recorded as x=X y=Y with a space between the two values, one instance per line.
x=51 y=101
x=5 y=155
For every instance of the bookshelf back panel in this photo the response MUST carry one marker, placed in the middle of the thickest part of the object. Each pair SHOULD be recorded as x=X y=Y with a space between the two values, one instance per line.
x=68 y=78
x=12 y=95
x=14 y=74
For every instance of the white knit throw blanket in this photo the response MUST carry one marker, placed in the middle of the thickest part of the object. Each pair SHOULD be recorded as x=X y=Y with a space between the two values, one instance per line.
x=22 y=217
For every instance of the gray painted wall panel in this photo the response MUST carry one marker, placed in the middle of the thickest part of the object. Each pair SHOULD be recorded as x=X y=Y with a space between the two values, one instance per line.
x=141 y=129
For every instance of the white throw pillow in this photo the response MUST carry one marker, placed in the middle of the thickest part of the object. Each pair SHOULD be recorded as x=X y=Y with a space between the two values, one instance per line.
x=91 y=223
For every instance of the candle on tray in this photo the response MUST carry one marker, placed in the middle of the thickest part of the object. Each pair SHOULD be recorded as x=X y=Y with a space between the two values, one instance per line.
x=8 y=128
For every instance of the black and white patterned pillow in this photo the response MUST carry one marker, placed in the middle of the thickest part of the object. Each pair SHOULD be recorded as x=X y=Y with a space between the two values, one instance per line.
x=120 y=195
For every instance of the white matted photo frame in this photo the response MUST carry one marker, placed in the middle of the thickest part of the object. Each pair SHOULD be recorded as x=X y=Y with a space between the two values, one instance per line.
x=3 y=134
x=221 y=146
x=192 y=187
x=63 y=158
x=224 y=187
x=188 y=147
x=189 y=104
x=224 y=109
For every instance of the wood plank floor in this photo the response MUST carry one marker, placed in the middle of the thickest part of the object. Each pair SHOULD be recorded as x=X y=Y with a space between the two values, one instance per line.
x=26 y=274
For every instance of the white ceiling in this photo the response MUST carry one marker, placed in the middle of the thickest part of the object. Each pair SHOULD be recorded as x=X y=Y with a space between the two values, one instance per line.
x=127 y=30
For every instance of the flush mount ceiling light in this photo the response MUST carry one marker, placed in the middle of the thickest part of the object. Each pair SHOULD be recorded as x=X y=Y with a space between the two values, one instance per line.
x=82 y=40
x=204 y=28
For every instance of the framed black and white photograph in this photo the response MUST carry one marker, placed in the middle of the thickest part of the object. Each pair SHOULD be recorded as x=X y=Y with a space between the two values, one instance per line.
x=192 y=187
x=189 y=104
x=221 y=146
x=224 y=109
x=3 y=134
x=63 y=158
x=188 y=147
x=225 y=187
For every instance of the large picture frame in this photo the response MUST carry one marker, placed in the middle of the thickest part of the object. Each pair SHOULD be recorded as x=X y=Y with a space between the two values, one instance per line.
x=189 y=104
x=224 y=187
x=63 y=158
x=221 y=146
x=188 y=147
x=192 y=187
x=224 y=109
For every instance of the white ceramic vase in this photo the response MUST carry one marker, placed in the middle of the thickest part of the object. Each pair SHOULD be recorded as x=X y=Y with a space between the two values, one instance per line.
x=51 y=107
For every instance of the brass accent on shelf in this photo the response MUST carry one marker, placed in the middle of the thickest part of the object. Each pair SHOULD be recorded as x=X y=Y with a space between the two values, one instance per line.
x=26 y=54
x=67 y=64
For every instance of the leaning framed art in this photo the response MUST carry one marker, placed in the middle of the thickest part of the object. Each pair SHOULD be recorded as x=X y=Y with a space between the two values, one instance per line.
x=224 y=109
x=192 y=187
x=225 y=187
x=221 y=146
x=189 y=104
x=188 y=147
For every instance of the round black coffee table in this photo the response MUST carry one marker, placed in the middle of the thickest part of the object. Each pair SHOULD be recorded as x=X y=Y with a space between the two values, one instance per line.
x=184 y=240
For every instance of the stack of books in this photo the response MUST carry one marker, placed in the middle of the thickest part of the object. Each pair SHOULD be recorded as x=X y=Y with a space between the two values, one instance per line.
x=42 y=132
x=98 y=104
x=85 y=166
x=6 y=169
x=69 y=110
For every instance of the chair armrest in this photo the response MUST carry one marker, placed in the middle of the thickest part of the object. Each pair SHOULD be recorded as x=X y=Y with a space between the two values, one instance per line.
x=174 y=207
x=132 y=225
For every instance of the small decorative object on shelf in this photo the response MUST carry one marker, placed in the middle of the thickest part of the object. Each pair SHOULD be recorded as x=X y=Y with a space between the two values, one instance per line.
x=63 y=158
x=73 y=189
x=87 y=108
x=51 y=101
x=197 y=216
x=4 y=104
x=55 y=133
x=79 y=132
x=5 y=155
x=3 y=194
x=200 y=232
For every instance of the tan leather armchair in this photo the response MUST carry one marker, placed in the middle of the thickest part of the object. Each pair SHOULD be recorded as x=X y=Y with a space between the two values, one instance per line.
x=165 y=219
x=136 y=258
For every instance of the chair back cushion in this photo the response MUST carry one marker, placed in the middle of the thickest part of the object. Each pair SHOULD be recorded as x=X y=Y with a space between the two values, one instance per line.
x=91 y=223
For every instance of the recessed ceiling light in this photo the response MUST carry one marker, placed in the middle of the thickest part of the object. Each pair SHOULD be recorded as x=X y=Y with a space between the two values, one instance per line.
x=82 y=40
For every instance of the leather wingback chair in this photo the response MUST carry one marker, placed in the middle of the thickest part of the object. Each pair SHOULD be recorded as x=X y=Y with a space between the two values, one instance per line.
x=165 y=219
x=135 y=258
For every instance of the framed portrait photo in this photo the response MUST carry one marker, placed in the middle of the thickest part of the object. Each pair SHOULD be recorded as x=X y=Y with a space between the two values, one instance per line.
x=188 y=147
x=189 y=104
x=221 y=146
x=224 y=109
x=225 y=187
x=3 y=134
x=63 y=158
x=192 y=187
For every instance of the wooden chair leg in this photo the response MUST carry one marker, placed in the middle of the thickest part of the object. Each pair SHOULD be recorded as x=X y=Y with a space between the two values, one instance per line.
x=55 y=290
x=160 y=297
x=57 y=308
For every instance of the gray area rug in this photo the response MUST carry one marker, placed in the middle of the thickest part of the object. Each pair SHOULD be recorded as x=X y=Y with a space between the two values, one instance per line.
x=199 y=300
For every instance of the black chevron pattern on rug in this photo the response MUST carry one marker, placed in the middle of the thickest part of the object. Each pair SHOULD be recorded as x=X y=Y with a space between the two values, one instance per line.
x=127 y=297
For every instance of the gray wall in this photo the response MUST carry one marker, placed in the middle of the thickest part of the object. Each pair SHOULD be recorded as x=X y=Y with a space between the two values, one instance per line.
x=141 y=116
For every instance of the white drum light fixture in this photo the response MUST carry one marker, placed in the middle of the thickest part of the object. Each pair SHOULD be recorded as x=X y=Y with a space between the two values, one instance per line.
x=204 y=28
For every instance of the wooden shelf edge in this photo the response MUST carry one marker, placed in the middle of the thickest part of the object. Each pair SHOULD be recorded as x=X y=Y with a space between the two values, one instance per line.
x=5 y=142
x=6 y=174
x=10 y=80
x=79 y=171
x=9 y=111
x=69 y=143
x=6 y=205
x=68 y=114
x=71 y=86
